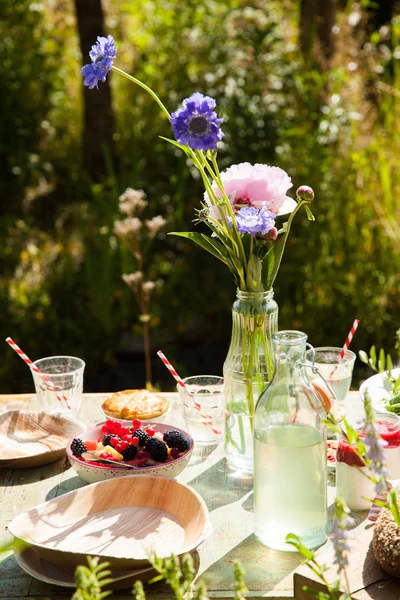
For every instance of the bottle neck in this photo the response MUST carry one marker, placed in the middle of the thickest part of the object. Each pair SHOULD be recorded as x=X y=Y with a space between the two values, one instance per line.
x=290 y=350
x=255 y=296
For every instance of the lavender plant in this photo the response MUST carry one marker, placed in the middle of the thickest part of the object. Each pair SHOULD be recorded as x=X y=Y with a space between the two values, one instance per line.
x=138 y=234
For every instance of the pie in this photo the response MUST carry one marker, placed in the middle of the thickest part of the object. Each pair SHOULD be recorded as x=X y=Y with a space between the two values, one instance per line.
x=135 y=404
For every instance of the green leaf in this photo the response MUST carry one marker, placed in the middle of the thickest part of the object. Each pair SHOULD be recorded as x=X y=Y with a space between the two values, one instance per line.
x=295 y=541
x=396 y=387
x=212 y=246
x=272 y=262
x=310 y=216
x=389 y=363
x=174 y=143
x=253 y=274
x=372 y=354
x=363 y=356
x=381 y=361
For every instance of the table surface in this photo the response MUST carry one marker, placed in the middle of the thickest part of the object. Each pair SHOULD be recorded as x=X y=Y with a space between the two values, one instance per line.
x=268 y=573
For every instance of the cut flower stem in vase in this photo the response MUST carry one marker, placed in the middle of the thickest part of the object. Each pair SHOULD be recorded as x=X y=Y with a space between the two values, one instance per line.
x=247 y=369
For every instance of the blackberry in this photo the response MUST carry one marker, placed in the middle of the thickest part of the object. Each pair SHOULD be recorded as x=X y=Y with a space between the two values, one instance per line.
x=142 y=436
x=106 y=439
x=157 y=449
x=78 y=447
x=175 y=439
x=130 y=452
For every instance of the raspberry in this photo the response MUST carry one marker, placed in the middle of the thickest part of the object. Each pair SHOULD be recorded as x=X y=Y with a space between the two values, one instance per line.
x=150 y=431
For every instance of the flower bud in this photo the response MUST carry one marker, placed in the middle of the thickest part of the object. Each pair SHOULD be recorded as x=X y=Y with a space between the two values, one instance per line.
x=304 y=192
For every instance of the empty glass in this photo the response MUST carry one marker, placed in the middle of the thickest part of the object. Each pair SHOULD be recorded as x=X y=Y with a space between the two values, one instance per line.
x=59 y=386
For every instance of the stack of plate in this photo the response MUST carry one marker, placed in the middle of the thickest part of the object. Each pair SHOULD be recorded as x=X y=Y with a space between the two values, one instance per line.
x=123 y=521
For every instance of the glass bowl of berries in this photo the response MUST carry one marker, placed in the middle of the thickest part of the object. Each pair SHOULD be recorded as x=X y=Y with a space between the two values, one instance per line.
x=115 y=449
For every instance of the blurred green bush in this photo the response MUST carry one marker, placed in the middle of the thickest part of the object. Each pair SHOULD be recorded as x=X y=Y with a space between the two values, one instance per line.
x=60 y=285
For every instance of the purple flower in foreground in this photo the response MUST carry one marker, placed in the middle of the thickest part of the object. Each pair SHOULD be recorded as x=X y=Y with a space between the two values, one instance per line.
x=374 y=446
x=340 y=535
x=196 y=123
x=253 y=221
x=102 y=54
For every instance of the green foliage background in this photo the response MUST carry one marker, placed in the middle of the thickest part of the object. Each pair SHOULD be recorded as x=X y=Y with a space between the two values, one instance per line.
x=338 y=131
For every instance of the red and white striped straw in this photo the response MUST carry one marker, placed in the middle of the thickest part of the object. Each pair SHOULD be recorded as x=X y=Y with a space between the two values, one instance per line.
x=30 y=364
x=207 y=419
x=171 y=369
x=349 y=338
x=346 y=344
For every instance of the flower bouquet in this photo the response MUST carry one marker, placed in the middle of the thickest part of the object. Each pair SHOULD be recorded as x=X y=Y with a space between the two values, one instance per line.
x=240 y=207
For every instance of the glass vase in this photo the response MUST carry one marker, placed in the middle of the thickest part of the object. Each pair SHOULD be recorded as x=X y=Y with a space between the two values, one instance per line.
x=248 y=368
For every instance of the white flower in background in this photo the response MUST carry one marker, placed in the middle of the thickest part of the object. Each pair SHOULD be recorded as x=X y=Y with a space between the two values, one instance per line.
x=148 y=286
x=133 y=279
x=155 y=224
x=132 y=201
x=127 y=227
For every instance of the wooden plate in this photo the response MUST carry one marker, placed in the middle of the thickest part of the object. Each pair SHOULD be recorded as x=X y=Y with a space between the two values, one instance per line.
x=42 y=569
x=121 y=520
x=32 y=439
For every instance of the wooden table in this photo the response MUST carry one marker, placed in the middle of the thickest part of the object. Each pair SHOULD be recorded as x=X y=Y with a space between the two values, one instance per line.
x=268 y=574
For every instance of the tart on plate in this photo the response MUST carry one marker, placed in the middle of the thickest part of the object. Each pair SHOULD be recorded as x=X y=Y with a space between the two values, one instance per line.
x=135 y=404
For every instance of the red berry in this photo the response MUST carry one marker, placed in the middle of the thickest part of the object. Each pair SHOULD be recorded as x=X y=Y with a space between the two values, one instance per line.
x=142 y=455
x=114 y=441
x=122 y=446
x=174 y=452
x=136 y=424
x=128 y=438
x=135 y=441
x=104 y=429
x=150 y=431
x=124 y=431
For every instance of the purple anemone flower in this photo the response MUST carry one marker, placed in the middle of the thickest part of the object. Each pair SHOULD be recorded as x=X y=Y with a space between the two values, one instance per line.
x=196 y=123
x=102 y=54
x=252 y=220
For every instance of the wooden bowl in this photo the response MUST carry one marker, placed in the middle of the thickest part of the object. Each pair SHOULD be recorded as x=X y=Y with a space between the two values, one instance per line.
x=95 y=473
x=121 y=521
x=63 y=576
x=32 y=439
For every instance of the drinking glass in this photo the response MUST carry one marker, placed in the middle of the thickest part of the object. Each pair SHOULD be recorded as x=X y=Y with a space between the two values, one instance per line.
x=60 y=386
x=204 y=407
x=336 y=372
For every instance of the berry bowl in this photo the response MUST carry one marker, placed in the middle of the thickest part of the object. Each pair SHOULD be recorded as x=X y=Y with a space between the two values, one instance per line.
x=140 y=449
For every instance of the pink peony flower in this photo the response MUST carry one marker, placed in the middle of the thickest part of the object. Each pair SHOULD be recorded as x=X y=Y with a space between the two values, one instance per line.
x=257 y=186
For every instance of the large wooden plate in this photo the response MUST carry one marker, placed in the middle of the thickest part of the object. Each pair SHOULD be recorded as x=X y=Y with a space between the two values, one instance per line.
x=120 y=520
x=32 y=439
x=64 y=576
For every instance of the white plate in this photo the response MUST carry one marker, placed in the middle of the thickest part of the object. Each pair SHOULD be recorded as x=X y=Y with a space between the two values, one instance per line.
x=378 y=388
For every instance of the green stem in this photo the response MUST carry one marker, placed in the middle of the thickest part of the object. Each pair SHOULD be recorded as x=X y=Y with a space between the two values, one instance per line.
x=145 y=87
